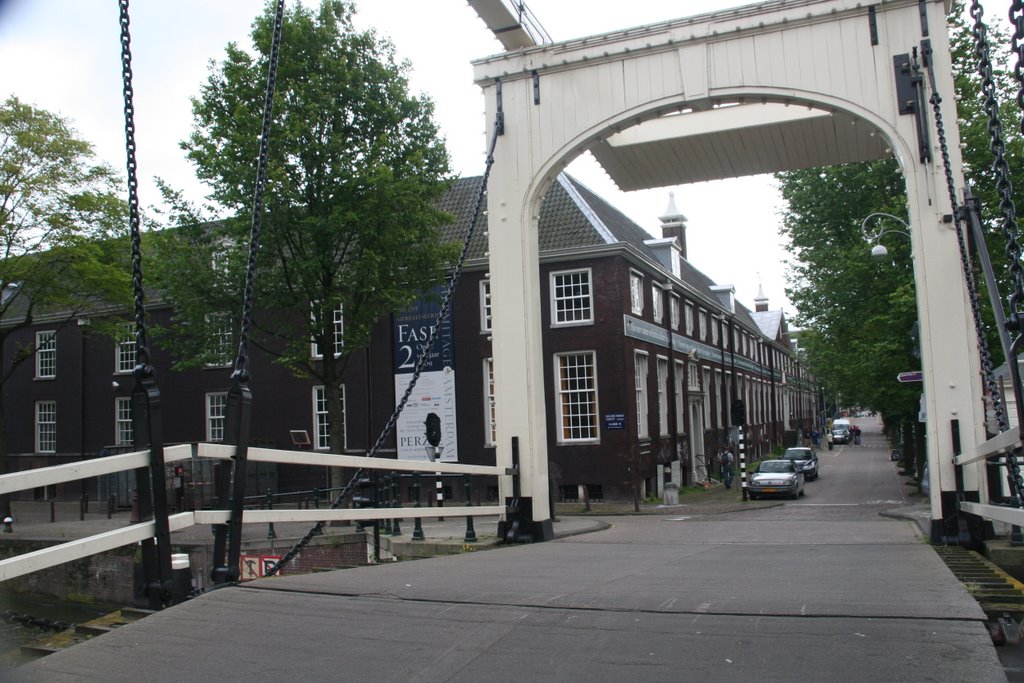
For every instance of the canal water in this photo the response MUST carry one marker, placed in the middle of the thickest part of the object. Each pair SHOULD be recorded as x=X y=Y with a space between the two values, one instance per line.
x=13 y=634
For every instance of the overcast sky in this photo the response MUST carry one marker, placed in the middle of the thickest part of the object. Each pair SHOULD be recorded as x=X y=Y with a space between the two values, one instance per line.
x=64 y=56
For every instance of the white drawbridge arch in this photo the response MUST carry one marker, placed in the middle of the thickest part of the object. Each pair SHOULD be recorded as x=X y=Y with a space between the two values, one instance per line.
x=788 y=84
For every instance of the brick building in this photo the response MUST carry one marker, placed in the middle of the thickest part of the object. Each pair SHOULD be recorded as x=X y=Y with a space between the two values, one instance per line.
x=647 y=358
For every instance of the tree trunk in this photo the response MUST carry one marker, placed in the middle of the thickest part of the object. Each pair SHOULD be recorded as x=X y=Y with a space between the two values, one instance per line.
x=5 y=499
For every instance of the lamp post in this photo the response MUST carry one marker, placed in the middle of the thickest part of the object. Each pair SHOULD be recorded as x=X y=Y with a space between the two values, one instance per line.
x=879 y=251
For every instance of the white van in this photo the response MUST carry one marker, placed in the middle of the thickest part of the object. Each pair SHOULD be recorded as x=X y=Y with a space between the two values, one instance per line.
x=840 y=431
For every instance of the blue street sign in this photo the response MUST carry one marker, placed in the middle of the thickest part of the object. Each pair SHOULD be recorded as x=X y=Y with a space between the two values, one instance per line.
x=912 y=376
x=615 y=421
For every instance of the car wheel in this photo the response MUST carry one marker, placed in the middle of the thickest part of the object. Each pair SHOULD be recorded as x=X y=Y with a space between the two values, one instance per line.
x=753 y=496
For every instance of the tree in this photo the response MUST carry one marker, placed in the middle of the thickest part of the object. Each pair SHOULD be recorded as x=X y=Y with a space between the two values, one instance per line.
x=59 y=215
x=859 y=315
x=355 y=170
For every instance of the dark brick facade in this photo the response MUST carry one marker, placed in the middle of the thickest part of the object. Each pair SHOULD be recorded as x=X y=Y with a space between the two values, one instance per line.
x=86 y=383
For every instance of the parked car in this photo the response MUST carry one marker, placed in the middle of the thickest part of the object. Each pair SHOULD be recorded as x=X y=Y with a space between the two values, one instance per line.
x=806 y=461
x=776 y=478
x=841 y=434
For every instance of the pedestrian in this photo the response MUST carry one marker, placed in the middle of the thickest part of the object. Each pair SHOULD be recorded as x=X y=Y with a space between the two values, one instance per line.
x=726 y=460
x=828 y=440
x=816 y=438
x=856 y=435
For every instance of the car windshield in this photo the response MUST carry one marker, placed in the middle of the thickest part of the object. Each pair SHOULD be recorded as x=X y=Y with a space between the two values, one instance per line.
x=775 y=466
x=793 y=454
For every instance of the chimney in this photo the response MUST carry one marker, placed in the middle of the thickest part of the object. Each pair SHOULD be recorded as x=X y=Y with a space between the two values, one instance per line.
x=673 y=224
x=760 y=301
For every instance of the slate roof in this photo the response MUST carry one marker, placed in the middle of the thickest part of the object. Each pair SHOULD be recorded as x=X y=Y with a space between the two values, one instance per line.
x=769 y=322
x=573 y=216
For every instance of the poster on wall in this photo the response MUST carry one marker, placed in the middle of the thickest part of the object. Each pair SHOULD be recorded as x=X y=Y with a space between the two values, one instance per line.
x=435 y=390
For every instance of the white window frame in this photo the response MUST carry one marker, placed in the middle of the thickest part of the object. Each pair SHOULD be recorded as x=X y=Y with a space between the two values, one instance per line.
x=725 y=336
x=587 y=429
x=657 y=305
x=714 y=332
x=693 y=377
x=640 y=388
x=219 y=326
x=321 y=419
x=46 y=427
x=124 y=431
x=582 y=303
x=673 y=304
x=702 y=324
x=490 y=414
x=662 y=375
x=216 y=410
x=688 y=314
x=125 y=352
x=680 y=369
x=719 y=397
x=636 y=292
x=706 y=377
x=485 y=305
x=46 y=354
x=338 y=323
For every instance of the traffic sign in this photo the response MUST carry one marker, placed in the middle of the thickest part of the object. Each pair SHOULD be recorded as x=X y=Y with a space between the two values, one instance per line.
x=912 y=376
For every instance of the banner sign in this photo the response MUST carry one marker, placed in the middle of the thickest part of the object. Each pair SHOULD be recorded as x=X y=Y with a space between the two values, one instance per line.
x=435 y=390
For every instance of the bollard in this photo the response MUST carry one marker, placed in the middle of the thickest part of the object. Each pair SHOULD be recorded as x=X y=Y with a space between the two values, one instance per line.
x=396 y=528
x=53 y=511
x=470 y=531
x=111 y=500
x=269 y=506
x=382 y=500
x=417 y=531
x=181 y=576
x=8 y=525
x=81 y=508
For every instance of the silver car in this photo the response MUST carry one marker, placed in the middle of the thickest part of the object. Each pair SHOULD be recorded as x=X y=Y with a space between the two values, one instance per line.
x=806 y=461
x=776 y=478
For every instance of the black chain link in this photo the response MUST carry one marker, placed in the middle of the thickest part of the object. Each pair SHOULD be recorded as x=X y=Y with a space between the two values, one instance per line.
x=143 y=368
x=1016 y=15
x=421 y=362
x=1000 y=167
x=241 y=367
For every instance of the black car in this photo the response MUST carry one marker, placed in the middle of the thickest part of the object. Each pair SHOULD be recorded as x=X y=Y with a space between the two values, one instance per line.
x=841 y=435
x=806 y=461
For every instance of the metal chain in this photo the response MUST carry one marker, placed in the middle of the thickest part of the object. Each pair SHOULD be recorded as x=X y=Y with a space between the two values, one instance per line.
x=143 y=368
x=421 y=362
x=1008 y=225
x=1016 y=15
x=995 y=396
x=999 y=165
x=241 y=370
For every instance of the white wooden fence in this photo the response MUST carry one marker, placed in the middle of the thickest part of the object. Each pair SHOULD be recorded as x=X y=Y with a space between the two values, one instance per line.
x=74 y=550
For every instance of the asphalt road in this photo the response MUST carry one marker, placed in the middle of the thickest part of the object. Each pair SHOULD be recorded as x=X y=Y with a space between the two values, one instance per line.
x=820 y=589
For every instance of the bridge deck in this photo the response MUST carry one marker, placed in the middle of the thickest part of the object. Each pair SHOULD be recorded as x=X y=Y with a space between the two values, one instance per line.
x=656 y=597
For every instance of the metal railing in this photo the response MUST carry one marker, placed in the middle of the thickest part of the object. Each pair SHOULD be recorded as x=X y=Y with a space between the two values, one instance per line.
x=74 y=550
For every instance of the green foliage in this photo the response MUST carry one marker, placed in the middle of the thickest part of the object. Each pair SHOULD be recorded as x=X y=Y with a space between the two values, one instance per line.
x=858 y=314
x=60 y=218
x=356 y=168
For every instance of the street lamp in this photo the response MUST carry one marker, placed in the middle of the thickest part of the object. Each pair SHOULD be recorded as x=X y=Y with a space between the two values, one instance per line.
x=879 y=251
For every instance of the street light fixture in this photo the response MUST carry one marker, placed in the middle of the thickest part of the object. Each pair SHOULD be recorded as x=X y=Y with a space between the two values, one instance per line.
x=879 y=251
